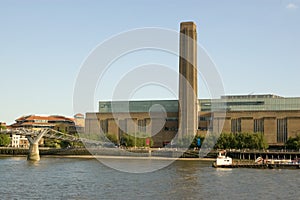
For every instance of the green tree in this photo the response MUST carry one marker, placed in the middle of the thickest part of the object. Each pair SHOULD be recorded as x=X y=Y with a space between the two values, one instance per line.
x=211 y=140
x=241 y=141
x=4 y=140
x=194 y=143
x=113 y=138
x=261 y=142
x=138 y=140
x=223 y=141
x=53 y=143
x=2 y=128
x=293 y=142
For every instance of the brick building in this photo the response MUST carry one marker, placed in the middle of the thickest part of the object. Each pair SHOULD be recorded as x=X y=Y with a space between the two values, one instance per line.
x=278 y=118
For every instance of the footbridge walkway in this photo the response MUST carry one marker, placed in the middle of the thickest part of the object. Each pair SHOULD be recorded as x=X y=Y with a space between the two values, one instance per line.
x=34 y=136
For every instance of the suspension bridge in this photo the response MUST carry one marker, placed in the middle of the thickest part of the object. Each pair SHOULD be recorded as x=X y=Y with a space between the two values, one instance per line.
x=34 y=136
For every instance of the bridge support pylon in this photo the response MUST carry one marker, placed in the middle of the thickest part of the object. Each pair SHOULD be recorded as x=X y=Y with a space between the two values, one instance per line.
x=34 y=153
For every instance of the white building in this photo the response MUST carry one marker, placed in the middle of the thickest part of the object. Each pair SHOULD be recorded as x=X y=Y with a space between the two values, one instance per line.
x=15 y=140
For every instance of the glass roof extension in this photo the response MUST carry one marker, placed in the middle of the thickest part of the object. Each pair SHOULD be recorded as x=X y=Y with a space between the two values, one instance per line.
x=230 y=103
x=138 y=106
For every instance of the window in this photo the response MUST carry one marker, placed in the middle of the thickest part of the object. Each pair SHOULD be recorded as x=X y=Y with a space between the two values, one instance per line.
x=236 y=125
x=142 y=125
x=104 y=125
x=282 y=130
x=258 y=126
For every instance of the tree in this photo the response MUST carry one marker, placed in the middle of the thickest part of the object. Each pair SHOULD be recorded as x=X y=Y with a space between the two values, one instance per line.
x=53 y=143
x=261 y=141
x=194 y=143
x=138 y=139
x=2 y=128
x=293 y=142
x=4 y=140
x=112 y=138
x=241 y=141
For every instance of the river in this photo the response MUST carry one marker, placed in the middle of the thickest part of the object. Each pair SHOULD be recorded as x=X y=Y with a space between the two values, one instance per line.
x=78 y=178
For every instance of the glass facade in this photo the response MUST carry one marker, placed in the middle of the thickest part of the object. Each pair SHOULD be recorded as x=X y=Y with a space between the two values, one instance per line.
x=228 y=103
x=251 y=103
x=138 y=106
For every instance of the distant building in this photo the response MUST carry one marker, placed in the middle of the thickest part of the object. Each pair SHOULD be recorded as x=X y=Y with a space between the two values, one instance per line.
x=139 y=114
x=35 y=122
x=24 y=143
x=278 y=118
x=15 y=140
x=19 y=141
x=79 y=122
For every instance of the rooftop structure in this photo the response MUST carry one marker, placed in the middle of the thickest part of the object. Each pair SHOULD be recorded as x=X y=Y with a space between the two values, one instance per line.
x=229 y=103
x=137 y=106
x=251 y=103
x=35 y=121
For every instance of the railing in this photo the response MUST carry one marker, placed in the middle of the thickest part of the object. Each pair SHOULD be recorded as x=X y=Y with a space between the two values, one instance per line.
x=52 y=134
x=263 y=150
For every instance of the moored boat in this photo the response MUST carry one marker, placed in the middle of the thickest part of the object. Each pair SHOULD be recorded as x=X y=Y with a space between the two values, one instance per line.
x=224 y=161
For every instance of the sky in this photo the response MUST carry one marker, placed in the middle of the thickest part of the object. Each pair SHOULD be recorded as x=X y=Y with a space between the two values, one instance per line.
x=43 y=44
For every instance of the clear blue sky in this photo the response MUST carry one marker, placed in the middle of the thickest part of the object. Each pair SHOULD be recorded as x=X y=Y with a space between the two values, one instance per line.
x=255 y=45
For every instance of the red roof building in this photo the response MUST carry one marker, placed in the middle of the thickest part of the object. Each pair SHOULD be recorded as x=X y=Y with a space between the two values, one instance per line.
x=35 y=121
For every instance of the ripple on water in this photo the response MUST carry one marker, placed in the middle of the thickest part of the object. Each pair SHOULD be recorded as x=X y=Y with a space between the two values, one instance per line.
x=65 y=178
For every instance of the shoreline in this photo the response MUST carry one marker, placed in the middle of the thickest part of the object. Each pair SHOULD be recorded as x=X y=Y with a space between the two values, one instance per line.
x=127 y=157
x=114 y=157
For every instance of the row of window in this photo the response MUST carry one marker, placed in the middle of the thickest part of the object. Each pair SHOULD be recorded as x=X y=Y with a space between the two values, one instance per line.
x=258 y=127
x=236 y=127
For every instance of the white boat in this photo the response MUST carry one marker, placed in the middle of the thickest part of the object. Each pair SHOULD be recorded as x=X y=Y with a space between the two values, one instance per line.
x=222 y=159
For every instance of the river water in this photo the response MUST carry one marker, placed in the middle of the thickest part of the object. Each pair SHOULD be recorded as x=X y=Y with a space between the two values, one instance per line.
x=77 y=178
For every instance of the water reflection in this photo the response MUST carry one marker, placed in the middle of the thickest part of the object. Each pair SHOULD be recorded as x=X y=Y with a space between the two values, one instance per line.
x=62 y=178
x=223 y=172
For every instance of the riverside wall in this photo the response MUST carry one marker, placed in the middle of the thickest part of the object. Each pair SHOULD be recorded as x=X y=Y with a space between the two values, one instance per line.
x=172 y=153
x=267 y=154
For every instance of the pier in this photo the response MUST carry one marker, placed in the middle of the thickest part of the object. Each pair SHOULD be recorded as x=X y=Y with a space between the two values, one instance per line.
x=260 y=166
x=263 y=160
x=266 y=154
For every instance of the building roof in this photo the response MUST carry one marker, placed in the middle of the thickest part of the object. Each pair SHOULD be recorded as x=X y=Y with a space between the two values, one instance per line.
x=48 y=118
x=251 y=96
x=260 y=102
x=79 y=115
x=36 y=120
x=251 y=103
x=138 y=106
